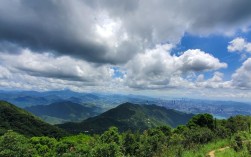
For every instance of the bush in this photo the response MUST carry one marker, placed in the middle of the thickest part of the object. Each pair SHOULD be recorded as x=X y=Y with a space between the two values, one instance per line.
x=237 y=143
x=14 y=144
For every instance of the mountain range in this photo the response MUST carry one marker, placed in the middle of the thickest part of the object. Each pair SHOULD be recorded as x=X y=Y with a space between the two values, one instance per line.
x=106 y=101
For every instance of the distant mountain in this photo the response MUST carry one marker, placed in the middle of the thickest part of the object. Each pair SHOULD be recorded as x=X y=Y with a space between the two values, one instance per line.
x=19 y=120
x=28 y=98
x=130 y=116
x=63 y=111
x=105 y=101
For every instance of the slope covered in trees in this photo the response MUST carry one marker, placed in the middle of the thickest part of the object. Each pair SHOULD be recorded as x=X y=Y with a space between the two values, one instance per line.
x=63 y=111
x=201 y=134
x=130 y=116
x=195 y=139
x=21 y=121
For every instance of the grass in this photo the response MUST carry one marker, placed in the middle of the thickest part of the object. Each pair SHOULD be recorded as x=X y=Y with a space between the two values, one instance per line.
x=231 y=152
x=204 y=149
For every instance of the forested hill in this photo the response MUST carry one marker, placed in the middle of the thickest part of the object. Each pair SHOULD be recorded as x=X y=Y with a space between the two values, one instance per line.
x=19 y=120
x=129 y=116
x=63 y=111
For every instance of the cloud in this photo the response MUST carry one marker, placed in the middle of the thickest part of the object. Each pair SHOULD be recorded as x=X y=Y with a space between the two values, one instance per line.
x=239 y=45
x=27 y=70
x=65 y=28
x=110 y=31
x=48 y=66
x=118 y=45
x=217 y=17
x=197 y=60
x=216 y=82
x=4 y=73
x=158 y=69
x=242 y=78
x=154 y=69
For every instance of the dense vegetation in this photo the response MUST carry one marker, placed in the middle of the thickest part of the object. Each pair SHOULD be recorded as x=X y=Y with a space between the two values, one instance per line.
x=63 y=111
x=201 y=134
x=130 y=116
x=18 y=120
x=24 y=135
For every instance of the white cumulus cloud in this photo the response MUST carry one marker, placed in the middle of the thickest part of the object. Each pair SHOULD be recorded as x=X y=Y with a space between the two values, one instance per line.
x=242 y=77
x=47 y=66
x=239 y=45
x=157 y=68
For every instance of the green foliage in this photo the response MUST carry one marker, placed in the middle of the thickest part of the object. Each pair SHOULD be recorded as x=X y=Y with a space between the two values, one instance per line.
x=45 y=146
x=63 y=111
x=14 y=144
x=17 y=119
x=130 y=144
x=237 y=143
x=198 y=136
x=202 y=150
x=249 y=147
x=238 y=123
x=196 y=139
x=222 y=132
x=167 y=131
x=75 y=145
x=107 y=150
x=112 y=135
x=129 y=116
x=201 y=120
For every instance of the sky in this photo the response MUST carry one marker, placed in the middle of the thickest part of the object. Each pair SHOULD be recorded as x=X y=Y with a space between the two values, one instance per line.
x=165 y=48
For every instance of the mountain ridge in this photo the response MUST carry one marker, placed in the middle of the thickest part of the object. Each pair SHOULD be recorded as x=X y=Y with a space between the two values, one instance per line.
x=64 y=110
x=19 y=120
x=128 y=116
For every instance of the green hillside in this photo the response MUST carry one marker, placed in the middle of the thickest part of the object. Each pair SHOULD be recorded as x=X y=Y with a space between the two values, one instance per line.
x=63 y=111
x=201 y=136
x=130 y=116
x=21 y=121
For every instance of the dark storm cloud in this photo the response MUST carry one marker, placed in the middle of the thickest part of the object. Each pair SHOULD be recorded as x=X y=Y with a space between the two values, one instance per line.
x=64 y=28
x=68 y=27
x=213 y=14
x=6 y=47
x=45 y=26
x=114 y=6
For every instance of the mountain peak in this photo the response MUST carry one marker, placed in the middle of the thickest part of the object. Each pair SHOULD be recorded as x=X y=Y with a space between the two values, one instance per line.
x=129 y=116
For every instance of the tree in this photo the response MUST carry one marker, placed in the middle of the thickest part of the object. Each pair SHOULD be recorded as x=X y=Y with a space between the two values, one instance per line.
x=237 y=143
x=153 y=142
x=238 y=123
x=199 y=135
x=112 y=135
x=130 y=144
x=109 y=144
x=106 y=150
x=45 y=146
x=201 y=120
x=166 y=130
x=14 y=144
x=249 y=147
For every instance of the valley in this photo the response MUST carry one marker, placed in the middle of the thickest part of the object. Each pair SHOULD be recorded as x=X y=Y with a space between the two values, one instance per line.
x=99 y=103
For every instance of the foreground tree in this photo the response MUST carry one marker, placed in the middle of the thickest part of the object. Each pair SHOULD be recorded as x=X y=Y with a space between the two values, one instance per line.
x=201 y=120
x=14 y=144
